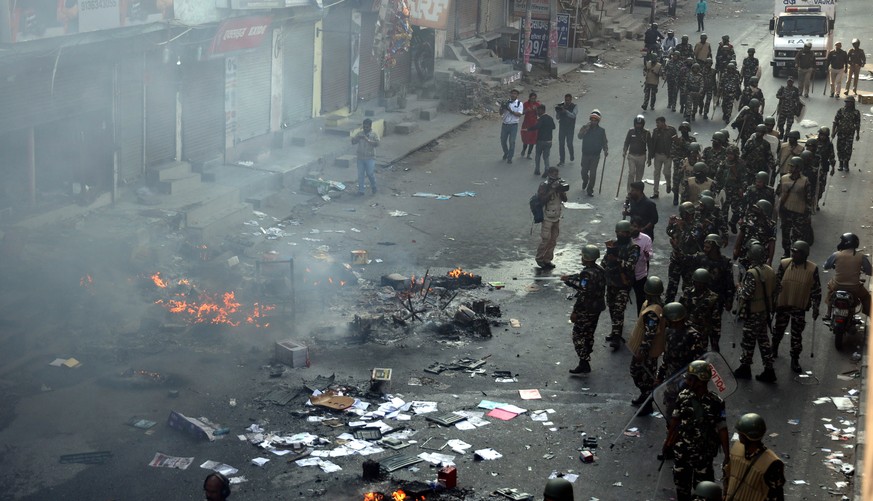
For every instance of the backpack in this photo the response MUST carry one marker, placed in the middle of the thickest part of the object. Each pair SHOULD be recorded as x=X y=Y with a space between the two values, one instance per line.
x=536 y=208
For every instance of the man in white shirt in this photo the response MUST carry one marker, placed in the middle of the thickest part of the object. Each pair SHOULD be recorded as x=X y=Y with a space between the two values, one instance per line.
x=510 y=111
x=641 y=272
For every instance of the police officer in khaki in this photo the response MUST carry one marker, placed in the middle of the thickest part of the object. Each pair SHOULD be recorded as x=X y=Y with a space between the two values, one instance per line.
x=697 y=184
x=754 y=473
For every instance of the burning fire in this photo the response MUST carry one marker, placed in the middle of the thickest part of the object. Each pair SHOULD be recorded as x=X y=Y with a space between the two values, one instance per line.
x=397 y=495
x=211 y=308
x=156 y=278
x=457 y=272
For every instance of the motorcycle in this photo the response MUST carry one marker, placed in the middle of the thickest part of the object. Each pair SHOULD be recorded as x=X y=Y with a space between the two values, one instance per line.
x=847 y=317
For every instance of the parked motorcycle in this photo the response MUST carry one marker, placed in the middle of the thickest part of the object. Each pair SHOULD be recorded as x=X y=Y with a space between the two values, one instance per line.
x=847 y=317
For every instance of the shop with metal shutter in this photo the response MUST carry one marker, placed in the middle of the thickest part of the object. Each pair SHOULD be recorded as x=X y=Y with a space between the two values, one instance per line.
x=492 y=15
x=371 y=73
x=297 y=60
x=203 y=110
x=160 y=80
x=129 y=117
x=336 y=57
x=466 y=19
x=253 y=98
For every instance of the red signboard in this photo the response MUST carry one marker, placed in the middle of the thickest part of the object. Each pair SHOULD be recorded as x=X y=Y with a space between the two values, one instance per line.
x=240 y=33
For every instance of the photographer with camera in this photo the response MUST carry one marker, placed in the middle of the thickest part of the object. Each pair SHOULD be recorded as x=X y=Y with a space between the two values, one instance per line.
x=552 y=193
x=510 y=111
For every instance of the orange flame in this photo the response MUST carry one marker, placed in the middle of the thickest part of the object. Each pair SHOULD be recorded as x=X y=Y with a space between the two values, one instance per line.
x=156 y=278
x=457 y=272
x=373 y=496
x=399 y=495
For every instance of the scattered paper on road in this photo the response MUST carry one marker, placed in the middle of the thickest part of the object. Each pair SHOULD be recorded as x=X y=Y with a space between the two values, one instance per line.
x=163 y=461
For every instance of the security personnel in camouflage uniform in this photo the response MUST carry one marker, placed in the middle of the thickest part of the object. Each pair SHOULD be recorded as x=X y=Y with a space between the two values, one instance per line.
x=789 y=106
x=713 y=156
x=729 y=90
x=760 y=190
x=684 y=345
x=703 y=307
x=709 y=220
x=590 y=286
x=619 y=263
x=795 y=206
x=721 y=282
x=824 y=156
x=710 y=83
x=754 y=471
x=679 y=151
x=558 y=489
x=684 y=49
x=798 y=289
x=788 y=149
x=752 y=91
x=694 y=85
x=696 y=432
x=724 y=55
x=846 y=121
x=812 y=170
x=684 y=241
x=684 y=74
x=757 y=295
x=757 y=153
x=731 y=178
x=693 y=186
x=748 y=120
x=750 y=66
x=757 y=227
x=647 y=343
x=672 y=70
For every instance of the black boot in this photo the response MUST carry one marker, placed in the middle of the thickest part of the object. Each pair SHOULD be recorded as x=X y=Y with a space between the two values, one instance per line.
x=583 y=368
x=646 y=409
x=640 y=399
x=795 y=365
x=744 y=371
x=768 y=376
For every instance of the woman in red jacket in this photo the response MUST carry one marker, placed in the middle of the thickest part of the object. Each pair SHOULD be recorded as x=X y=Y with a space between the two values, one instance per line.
x=529 y=137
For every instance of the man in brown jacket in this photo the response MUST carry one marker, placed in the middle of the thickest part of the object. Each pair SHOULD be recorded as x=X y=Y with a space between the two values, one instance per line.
x=799 y=289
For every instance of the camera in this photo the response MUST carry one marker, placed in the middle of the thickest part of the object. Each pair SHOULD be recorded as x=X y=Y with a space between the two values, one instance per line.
x=561 y=186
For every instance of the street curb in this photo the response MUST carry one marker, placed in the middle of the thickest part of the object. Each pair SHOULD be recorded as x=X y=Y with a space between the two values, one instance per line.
x=410 y=151
x=861 y=436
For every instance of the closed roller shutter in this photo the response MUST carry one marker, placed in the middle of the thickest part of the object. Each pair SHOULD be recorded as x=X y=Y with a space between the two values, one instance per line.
x=129 y=119
x=336 y=57
x=467 y=18
x=160 y=81
x=203 y=111
x=400 y=73
x=253 y=91
x=493 y=15
x=371 y=74
x=298 y=54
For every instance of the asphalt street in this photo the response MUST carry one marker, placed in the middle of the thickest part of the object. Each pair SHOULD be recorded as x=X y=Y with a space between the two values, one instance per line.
x=489 y=234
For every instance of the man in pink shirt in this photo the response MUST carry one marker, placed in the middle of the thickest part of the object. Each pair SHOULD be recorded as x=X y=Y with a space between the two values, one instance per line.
x=641 y=272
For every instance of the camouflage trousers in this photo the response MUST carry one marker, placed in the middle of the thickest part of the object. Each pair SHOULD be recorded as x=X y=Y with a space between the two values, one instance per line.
x=844 y=148
x=756 y=331
x=733 y=202
x=616 y=299
x=690 y=467
x=678 y=271
x=650 y=91
x=797 y=317
x=678 y=177
x=707 y=100
x=785 y=122
x=643 y=373
x=672 y=92
x=583 y=334
x=727 y=109
x=710 y=328
x=795 y=226
x=693 y=106
x=683 y=101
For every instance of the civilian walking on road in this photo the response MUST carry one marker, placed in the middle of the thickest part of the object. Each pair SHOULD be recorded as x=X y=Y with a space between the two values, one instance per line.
x=552 y=194
x=544 y=128
x=566 y=113
x=641 y=271
x=529 y=137
x=638 y=206
x=701 y=14
x=593 y=142
x=510 y=111
x=367 y=140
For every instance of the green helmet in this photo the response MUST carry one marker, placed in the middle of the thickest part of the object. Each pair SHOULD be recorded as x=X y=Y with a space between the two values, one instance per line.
x=718 y=136
x=762 y=176
x=558 y=489
x=812 y=141
x=793 y=135
x=707 y=193
x=732 y=64
x=801 y=248
x=765 y=207
x=708 y=491
x=685 y=126
x=826 y=131
x=732 y=150
x=702 y=276
x=700 y=369
x=686 y=208
x=796 y=162
x=675 y=312
x=807 y=155
x=699 y=168
x=623 y=225
x=756 y=253
x=590 y=252
x=761 y=128
x=752 y=426
x=713 y=239
x=754 y=103
x=769 y=121
x=695 y=147
x=708 y=203
x=654 y=286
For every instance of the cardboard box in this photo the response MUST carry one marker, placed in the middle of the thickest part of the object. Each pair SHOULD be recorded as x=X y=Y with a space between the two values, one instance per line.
x=291 y=353
x=359 y=257
x=865 y=97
